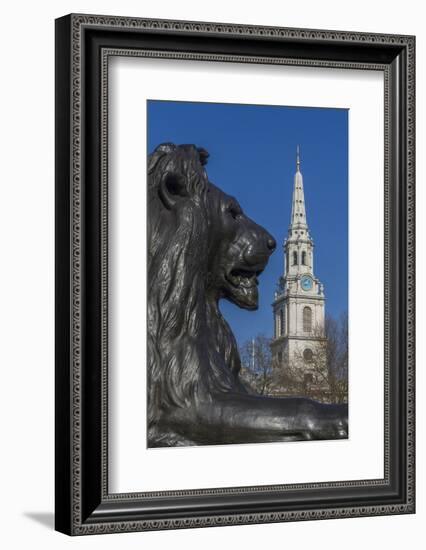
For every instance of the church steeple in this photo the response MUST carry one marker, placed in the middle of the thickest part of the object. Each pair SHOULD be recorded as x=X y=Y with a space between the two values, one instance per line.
x=298 y=209
x=298 y=246
x=299 y=302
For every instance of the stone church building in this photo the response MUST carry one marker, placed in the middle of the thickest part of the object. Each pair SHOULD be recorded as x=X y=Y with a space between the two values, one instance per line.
x=299 y=302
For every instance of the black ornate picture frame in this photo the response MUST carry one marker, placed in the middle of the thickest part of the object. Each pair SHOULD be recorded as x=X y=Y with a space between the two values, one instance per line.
x=84 y=43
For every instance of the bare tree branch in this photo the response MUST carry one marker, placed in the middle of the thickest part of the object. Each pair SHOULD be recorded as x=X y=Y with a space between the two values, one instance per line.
x=256 y=358
x=324 y=376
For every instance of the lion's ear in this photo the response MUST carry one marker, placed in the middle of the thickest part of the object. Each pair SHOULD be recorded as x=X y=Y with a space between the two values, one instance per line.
x=171 y=189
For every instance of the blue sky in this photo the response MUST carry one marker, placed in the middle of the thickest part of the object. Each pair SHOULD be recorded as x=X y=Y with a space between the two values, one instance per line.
x=252 y=156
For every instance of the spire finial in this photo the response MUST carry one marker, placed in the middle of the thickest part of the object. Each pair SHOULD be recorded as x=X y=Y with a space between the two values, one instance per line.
x=298 y=158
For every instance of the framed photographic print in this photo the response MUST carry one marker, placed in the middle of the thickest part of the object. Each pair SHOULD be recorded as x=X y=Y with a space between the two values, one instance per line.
x=234 y=274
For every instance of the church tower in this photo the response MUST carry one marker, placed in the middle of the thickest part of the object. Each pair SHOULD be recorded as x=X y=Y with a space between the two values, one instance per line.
x=299 y=302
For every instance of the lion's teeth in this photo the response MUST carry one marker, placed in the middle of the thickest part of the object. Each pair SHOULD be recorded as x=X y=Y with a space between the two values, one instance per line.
x=247 y=282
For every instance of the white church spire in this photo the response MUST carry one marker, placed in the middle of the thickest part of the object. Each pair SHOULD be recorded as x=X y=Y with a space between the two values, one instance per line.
x=298 y=209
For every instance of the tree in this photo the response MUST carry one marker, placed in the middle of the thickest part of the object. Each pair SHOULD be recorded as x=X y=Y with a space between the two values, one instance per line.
x=323 y=374
x=337 y=357
x=256 y=359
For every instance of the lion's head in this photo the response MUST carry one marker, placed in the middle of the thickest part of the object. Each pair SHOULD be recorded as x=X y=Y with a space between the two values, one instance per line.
x=239 y=250
x=201 y=248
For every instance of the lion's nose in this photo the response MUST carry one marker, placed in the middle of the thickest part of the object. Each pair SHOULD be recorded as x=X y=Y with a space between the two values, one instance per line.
x=271 y=243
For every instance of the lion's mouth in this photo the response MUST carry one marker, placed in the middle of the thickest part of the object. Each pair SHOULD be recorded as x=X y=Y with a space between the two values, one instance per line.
x=241 y=284
x=243 y=278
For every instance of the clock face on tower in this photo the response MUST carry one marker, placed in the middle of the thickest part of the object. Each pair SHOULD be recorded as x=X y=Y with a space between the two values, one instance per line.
x=306 y=282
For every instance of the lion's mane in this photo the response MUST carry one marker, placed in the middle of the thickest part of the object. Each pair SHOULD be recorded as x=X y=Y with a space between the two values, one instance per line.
x=191 y=349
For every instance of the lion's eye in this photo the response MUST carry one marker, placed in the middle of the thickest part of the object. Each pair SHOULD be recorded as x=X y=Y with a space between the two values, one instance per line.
x=235 y=211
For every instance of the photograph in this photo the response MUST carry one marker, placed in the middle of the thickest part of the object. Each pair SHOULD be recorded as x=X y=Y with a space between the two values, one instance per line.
x=234 y=267
x=248 y=321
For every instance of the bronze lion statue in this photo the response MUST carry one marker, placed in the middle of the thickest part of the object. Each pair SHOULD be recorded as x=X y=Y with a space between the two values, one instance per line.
x=202 y=248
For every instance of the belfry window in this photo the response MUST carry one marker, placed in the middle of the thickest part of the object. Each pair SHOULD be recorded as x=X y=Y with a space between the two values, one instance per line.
x=308 y=355
x=303 y=258
x=282 y=321
x=294 y=258
x=307 y=319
